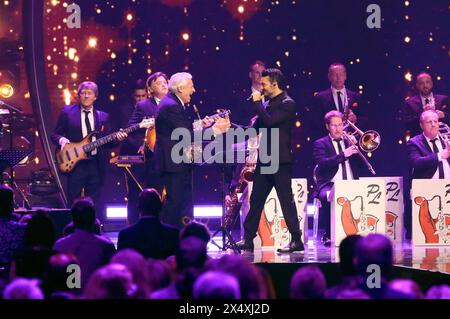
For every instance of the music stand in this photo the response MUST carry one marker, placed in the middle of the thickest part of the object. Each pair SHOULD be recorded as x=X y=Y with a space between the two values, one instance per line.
x=227 y=239
x=10 y=158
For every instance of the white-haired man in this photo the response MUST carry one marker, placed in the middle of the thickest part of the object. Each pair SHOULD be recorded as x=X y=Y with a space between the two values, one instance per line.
x=177 y=177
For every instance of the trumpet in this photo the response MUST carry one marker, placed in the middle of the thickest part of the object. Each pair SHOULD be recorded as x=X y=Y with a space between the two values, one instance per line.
x=369 y=141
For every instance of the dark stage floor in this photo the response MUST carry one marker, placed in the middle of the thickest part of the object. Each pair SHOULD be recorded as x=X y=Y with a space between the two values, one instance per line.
x=430 y=258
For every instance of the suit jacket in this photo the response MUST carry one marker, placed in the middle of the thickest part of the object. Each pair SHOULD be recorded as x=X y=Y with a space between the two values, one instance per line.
x=323 y=103
x=150 y=237
x=92 y=251
x=423 y=161
x=171 y=115
x=69 y=126
x=145 y=108
x=279 y=113
x=328 y=162
x=413 y=107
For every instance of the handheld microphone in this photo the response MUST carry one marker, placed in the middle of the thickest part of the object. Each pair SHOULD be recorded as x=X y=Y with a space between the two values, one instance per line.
x=251 y=95
x=196 y=111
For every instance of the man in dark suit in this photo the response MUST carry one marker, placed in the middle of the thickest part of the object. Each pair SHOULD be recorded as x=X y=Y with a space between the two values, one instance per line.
x=425 y=100
x=74 y=123
x=334 y=161
x=150 y=237
x=336 y=98
x=157 y=89
x=243 y=110
x=92 y=251
x=427 y=153
x=131 y=145
x=276 y=116
x=176 y=172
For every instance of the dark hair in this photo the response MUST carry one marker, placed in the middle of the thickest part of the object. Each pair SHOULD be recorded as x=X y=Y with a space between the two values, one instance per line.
x=347 y=253
x=275 y=75
x=196 y=229
x=327 y=118
x=257 y=62
x=83 y=214
x=6 y=201
x=56 y=275
x=374 y=249
x=152 y=78
x=40 y=230
x=139 y=85
x=308 y=282
x=149 y=203
x=336 y=64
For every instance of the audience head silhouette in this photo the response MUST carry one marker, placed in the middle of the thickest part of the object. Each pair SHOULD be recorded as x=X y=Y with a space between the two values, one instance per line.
x=83 y=214
x=6 y=201
x=150 y=202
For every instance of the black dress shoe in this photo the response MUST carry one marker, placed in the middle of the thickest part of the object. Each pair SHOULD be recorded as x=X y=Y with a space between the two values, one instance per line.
x=326 y=241
x=293 y=246
x=244 y=245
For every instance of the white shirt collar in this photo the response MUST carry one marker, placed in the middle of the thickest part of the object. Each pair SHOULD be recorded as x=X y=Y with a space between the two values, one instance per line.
x=429 y=139
x=182 y=103
x=91 y=110
x=334 y=90
x=158 y=100
x=430 y=98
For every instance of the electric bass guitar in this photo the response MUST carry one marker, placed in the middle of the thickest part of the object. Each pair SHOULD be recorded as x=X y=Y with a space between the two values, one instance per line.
x=68 y=157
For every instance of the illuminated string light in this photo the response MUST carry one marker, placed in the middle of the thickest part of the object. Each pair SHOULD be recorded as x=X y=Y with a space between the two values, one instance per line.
x=92 y=42
x=185 y=36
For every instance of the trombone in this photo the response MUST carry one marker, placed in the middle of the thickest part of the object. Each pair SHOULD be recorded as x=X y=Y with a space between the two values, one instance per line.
x=444 y=133
x=369 y=141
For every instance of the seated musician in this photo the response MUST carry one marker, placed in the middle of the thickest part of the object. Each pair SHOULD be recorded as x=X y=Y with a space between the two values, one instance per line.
x=335 y=160
x=428 y=152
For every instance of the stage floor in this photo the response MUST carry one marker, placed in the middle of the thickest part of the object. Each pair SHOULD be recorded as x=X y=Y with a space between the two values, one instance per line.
x=430 y=258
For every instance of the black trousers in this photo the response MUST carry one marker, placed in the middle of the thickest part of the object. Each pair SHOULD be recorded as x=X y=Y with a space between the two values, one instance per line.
x=86 y=174
x=262 y=185
x=325 y=210
x=178 y=204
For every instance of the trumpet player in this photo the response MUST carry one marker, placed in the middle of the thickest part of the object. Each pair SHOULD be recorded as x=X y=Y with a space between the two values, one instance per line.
x=424 y=101
x=335 y=160
x=428 y=153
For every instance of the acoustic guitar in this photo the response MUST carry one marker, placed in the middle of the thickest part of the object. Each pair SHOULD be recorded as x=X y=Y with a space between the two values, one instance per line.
x=68 y=157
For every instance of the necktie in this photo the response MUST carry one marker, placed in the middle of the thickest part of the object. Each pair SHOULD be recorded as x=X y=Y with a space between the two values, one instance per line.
x=340 y=105
x=427 y=100
x=344 y=169
x=89 y=129
x=87 y=122
x=440 y=165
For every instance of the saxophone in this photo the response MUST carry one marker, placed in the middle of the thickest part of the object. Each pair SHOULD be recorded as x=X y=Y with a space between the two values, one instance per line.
x=232 y=209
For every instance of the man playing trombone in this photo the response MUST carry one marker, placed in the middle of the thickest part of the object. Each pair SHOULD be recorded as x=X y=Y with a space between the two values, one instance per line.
x=334 y=160
x=428 y=152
